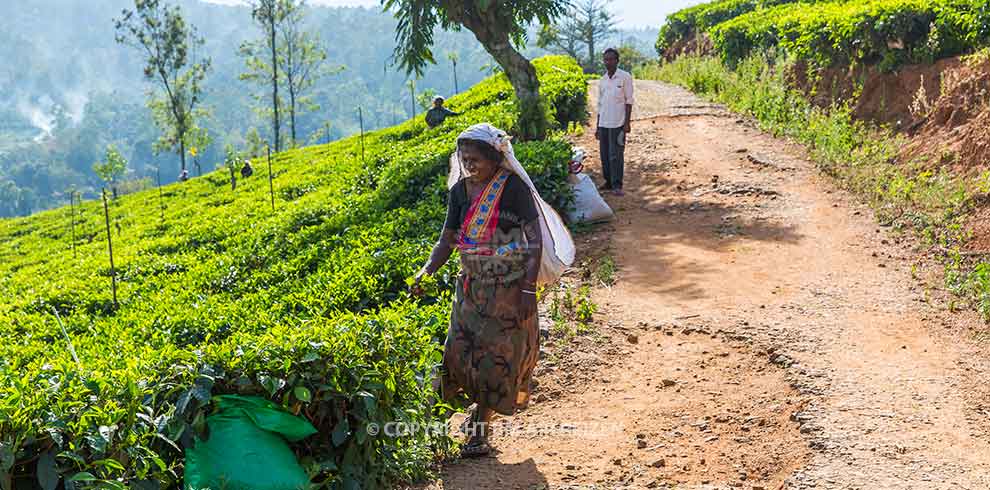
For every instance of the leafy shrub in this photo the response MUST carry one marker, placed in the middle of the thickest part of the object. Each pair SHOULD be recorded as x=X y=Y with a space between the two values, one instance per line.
x=698 y=19
x=888 y=32
x=305 y=305
x=883 y=32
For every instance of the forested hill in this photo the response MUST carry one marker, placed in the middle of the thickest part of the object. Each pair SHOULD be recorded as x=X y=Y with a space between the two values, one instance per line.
x=68 y=89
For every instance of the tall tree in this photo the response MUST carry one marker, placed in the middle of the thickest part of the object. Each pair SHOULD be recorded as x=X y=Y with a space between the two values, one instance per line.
x=302 y=61
x=497 y=24
x=630 y=57
x=170 y=45
x=587 y=25
x=261 y=55
x=454 y=58
x=562 y=38
x=112 y=169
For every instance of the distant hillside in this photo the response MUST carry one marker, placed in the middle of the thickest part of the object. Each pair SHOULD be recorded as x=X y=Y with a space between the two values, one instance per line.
x=81 y=90
x=67 y=90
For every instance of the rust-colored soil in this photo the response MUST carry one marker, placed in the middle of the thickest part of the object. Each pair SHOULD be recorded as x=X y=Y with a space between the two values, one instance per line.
x=883 y=97
x=763 y=332
x=955 y=132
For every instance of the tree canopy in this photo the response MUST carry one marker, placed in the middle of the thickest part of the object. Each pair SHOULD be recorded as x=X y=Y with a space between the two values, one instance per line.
x=499 y=25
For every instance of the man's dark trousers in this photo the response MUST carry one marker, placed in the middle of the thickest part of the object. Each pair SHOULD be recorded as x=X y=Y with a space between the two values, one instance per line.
x=612 y=147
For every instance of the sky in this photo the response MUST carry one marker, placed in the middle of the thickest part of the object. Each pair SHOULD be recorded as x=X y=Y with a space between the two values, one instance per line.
x=631 y=13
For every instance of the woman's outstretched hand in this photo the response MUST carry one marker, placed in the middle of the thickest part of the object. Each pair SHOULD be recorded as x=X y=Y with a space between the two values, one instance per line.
x=417 y=289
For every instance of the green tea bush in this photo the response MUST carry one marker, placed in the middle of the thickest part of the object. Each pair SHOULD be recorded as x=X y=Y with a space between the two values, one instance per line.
x=883 y=32
x=305 y=305
x=698 y=19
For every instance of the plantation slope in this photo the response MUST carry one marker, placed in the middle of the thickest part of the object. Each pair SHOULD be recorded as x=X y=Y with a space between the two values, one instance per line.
x=219 y=293
x=886 y=33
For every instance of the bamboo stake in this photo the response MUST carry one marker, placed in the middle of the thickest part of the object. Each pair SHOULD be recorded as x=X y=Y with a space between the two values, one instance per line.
x=361 y=122
x=161 y=198
x=271 y=186
x=72 y=220
x=113 y=271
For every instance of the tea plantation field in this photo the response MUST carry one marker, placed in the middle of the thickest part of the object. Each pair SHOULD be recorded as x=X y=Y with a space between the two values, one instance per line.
x=883 y=32
x=219 y=293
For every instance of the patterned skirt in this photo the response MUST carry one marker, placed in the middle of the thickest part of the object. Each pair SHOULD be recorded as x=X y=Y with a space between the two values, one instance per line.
x=491 y=348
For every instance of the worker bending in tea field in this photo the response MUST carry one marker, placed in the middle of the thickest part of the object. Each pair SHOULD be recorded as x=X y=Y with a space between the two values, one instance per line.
x=438 y=113
x=508 y=239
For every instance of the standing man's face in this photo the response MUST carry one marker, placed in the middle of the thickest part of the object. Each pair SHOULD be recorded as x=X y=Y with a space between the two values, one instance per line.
x=611 y=61
x=438 y=103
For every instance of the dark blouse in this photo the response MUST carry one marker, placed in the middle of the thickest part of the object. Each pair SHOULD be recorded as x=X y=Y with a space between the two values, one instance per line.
x=516 y=209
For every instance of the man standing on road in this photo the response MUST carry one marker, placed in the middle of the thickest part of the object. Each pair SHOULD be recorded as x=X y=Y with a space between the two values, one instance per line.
x=615 y=99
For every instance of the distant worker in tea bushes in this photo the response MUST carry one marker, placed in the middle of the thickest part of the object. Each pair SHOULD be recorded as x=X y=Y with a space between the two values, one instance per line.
x=509 y=240
x=436 y=115
x=615 y=101
x=183 y=175
x=247 y=170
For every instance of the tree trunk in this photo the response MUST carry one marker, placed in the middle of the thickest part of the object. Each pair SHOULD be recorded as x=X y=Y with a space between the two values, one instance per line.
x=275 y=118
x=182 y=149
x=532 y=123
x=292 y=113
x=522 y=76
x=456 y=89
x=592 y=61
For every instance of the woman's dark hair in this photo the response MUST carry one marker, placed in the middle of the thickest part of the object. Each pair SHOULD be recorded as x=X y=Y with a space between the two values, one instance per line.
x=488 y=151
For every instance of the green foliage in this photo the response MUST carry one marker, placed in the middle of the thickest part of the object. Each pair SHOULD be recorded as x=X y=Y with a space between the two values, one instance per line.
x=160 y=33
x=287 y=59
x=888 y=32
x=604 y=272
x=424 y=99
x=498 y=26
x=630 y=57
x=303 y=61
x=570 y=308
x=419 y=18
x=306 y=306
x=91 y=108
x=684 y=24
x=112 y=168
x=883 y=32
x=581 y=33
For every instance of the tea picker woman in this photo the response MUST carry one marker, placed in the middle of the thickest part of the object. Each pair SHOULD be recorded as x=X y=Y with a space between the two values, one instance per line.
x=510 y=241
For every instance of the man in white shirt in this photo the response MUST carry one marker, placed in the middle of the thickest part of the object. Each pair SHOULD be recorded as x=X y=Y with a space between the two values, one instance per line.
x=615 y=99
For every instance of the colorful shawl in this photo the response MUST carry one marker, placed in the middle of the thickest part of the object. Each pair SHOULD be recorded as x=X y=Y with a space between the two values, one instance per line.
x=481 y=220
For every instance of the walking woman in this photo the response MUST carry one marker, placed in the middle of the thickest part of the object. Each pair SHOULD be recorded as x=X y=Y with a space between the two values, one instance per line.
x=509 y=241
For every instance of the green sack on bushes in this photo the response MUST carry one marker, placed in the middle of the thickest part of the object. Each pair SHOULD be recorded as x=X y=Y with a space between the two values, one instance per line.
x=246 y=448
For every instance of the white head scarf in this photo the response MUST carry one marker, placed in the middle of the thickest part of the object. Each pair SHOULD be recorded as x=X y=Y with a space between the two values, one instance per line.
x=558 y=247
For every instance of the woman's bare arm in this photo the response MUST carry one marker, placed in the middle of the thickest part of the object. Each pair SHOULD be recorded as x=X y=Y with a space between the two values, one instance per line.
x=441 y=251
x=534 y=252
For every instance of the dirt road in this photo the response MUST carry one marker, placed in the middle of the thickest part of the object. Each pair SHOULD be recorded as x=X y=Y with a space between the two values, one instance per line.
x=763 y=332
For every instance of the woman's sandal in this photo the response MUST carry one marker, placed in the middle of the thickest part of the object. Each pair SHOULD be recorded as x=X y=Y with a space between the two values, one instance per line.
x=475 y=449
